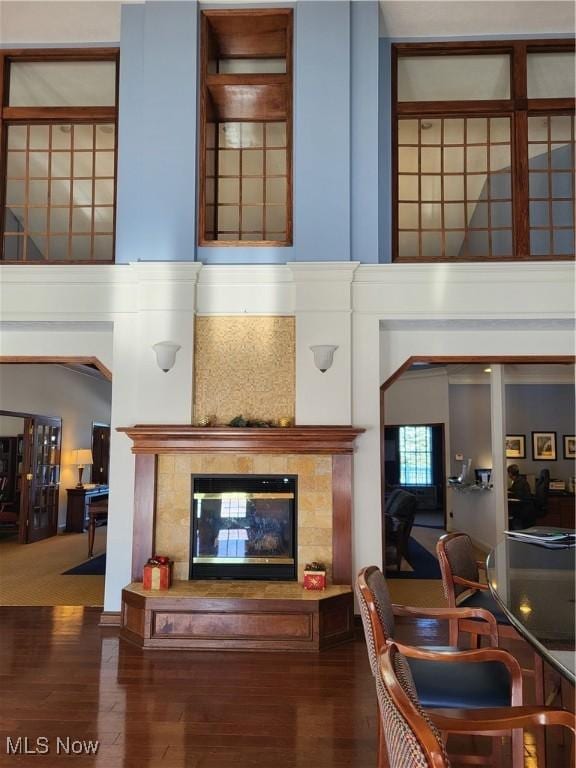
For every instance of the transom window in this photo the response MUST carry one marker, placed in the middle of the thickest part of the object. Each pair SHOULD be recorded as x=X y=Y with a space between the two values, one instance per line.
x=58 y=122
x=484 y=151
x=415 y=453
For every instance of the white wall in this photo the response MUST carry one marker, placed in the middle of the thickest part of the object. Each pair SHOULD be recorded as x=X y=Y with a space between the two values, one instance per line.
x=470 y=433
x=379 y=316
x=52 y=390
x=418 y=397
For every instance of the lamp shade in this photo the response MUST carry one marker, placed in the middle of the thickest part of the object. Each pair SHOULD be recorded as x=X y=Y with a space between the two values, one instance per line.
x=82 y=456
x=323 y=355
x=166 y=354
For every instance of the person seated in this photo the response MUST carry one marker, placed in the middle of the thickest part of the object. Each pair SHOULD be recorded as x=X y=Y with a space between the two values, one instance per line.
x=519 y=489
x=522 y=510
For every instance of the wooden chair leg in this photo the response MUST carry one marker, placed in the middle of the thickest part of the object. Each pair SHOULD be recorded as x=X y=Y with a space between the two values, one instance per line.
x=518 y=748
x=91 y=534
x=540 y=696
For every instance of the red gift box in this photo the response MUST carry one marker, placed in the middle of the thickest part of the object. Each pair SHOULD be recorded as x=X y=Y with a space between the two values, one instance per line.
x=315 y=580
x=157 y=573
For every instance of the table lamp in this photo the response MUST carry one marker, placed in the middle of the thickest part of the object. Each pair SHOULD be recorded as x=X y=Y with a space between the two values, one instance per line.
x=81 y=457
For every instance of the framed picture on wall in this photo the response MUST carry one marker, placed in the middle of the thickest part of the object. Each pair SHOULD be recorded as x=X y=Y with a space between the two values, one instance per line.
x=569 y=447
x=515 y=446
x=544 y=446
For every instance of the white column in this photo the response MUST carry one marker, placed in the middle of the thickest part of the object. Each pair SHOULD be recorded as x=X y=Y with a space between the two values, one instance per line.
x=323 y=310
x=144 y=394
x=498 y=417
x=367 y=518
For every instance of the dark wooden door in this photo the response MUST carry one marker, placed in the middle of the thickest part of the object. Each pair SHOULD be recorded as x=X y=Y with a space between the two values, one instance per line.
x=42 y=437
x=100 y=453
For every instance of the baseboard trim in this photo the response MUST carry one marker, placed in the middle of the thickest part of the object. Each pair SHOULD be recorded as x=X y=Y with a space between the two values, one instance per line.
x=110 y=619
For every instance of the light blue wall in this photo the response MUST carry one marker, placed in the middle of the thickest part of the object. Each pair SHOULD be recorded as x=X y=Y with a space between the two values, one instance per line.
x=322 y=132
x=385 y=153
x=335 y=129
x=364 y=131
x=156 y=195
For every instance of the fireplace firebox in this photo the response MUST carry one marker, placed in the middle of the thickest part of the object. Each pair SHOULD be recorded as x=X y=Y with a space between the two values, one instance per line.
x=243 y=527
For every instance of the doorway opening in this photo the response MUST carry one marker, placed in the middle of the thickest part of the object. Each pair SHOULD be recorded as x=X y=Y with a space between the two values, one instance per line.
x=54 y=448
x=414 y=462
x=456 y=394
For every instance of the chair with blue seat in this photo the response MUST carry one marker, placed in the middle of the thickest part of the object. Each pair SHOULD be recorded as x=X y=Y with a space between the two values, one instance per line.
x=463 y=588
x=413 y=736
x=445 y=677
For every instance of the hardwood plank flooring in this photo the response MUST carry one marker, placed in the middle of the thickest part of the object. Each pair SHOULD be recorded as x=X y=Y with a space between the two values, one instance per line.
x=62 y=676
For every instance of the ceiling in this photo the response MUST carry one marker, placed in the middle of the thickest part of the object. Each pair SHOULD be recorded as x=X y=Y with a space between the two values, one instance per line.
x=98 y=21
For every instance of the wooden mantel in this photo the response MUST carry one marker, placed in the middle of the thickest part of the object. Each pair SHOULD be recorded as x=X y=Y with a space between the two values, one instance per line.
x=183 y=438
x=151 y=440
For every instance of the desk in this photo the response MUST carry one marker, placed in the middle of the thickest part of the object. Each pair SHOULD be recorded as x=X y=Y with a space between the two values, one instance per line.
x=561 y=510
x=78 y=510
x=535 y=588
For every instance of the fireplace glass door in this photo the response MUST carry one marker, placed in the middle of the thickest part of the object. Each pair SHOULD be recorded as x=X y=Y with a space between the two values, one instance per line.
x=243 y=527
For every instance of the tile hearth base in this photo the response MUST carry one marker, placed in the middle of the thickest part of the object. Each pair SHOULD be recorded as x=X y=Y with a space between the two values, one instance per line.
x=237 y=615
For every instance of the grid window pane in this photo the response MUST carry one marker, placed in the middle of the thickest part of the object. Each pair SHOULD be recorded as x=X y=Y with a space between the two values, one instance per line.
x=462 y=184
x=551 y=185
x=249 y=185
x=51 y=192
x=415 y=449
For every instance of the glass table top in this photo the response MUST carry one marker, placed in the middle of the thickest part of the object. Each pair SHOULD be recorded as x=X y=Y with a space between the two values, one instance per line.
x=534 y=586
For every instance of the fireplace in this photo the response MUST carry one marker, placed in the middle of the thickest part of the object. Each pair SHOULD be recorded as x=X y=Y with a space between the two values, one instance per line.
x=243 y=527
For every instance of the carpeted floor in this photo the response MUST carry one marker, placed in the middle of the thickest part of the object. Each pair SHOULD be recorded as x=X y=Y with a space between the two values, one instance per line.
x=32 y=574
x=95 y=566
x=421 y=564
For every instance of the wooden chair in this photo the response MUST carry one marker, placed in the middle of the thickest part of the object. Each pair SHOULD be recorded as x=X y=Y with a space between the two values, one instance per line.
x=98 y=515
x=463 y=588
x=445 y=677
x=412 y=735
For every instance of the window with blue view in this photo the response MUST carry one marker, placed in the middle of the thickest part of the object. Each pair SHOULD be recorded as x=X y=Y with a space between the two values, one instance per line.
x=415 y=449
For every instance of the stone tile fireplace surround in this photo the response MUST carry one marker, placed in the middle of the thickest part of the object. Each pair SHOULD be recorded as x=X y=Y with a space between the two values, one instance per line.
x=167 y=456
x=241 y=615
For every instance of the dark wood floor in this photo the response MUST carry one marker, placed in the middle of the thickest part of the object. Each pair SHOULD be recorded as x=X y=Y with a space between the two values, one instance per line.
x=61 y=676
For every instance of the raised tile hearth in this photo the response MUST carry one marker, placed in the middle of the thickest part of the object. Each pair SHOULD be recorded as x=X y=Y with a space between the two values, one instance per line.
x=237 y=615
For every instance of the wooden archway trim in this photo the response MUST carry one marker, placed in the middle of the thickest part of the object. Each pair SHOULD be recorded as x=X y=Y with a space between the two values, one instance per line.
x=480 y=359
x=55 y=360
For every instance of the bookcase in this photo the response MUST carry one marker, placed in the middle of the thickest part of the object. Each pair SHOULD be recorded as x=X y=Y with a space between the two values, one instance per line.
x=11 y=456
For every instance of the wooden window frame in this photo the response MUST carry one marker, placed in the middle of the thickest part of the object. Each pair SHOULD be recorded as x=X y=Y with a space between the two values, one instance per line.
x=519 y=107
x=282 y=80
x=53 y=115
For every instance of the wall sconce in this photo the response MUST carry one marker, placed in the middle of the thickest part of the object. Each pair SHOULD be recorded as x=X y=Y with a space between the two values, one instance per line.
x=81 y=458
x=323 y=356
x=166 y=354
